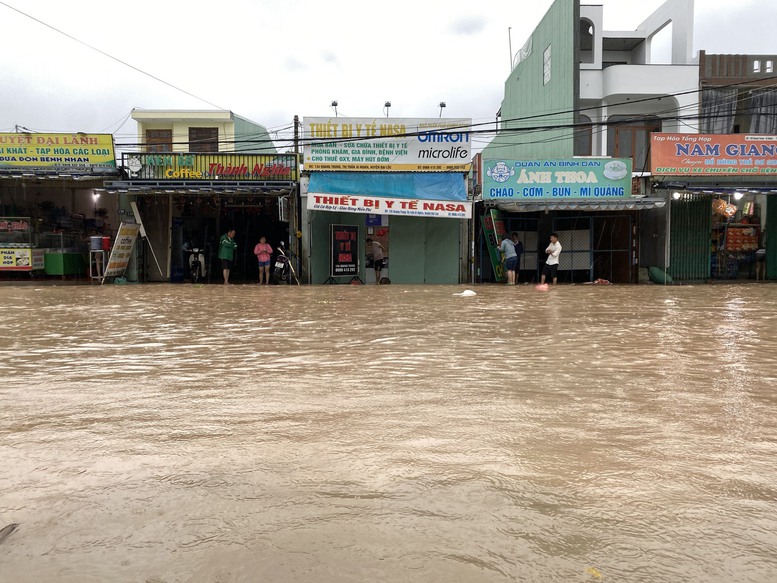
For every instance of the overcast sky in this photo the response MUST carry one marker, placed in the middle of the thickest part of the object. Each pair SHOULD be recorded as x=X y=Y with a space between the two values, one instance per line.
x=268 y=60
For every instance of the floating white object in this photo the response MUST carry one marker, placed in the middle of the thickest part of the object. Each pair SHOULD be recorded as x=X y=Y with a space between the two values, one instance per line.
x=466 y=293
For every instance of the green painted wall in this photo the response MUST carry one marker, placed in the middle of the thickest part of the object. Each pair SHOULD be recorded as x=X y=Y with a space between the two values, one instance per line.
x=424 y=250
x=260 y=141
x=421 y=250
x=528 y=99
x=771 y=237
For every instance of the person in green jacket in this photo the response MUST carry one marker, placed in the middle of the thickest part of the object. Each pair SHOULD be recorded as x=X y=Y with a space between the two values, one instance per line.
x=227 y=248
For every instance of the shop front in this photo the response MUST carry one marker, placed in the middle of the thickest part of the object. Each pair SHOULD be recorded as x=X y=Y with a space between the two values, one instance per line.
x=595 y=205
x=722 y=189
x=400 y=185
x=187 y=201
x=50 y=202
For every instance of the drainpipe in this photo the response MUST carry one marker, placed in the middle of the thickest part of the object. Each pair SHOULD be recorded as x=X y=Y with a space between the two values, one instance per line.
x=297 y=211
x=668 y=238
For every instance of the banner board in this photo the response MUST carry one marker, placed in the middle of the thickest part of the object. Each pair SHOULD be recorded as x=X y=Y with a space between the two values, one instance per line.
x=222 y=166
x=16 y=245
x=17 y=259
x=122 y=250
x=344 y=250
x=494 y=231
x=387 y=144
x=91 y=152
x=412 y=207
x=713 y=155
x=589 y=178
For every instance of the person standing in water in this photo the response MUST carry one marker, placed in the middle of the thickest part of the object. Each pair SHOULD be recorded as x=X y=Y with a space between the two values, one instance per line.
x=227 y=248
x=263 y=250
x=516 y=239
x=507 y=248
x=377 y=257
x=760 y=258
x=551 y=263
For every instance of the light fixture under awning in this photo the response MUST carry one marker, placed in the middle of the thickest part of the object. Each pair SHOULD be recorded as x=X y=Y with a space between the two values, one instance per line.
x=624 y=204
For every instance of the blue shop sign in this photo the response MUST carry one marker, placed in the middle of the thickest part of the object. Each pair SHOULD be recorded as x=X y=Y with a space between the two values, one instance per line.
x=589 y=178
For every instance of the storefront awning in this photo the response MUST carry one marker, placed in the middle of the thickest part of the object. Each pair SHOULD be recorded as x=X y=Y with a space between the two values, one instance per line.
x=44 y=174
x=440 y=195
x=445 y=186
x=718 y=186
x=585 y=205
x=231 y=187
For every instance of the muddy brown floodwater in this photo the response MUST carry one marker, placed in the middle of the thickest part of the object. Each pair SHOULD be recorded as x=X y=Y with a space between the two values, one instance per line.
x=175 y=433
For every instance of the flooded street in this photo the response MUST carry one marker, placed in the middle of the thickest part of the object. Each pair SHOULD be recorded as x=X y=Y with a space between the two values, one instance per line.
x=176 y=433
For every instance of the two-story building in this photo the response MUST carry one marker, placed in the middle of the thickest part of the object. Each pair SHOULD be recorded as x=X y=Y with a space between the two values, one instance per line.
x=723 y=179
x=572 y=151
x=192 y=176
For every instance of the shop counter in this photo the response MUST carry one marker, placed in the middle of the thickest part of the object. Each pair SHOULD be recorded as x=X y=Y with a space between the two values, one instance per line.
x=58 y=263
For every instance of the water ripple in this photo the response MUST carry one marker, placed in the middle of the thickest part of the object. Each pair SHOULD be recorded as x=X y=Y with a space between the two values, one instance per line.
x=348 y=433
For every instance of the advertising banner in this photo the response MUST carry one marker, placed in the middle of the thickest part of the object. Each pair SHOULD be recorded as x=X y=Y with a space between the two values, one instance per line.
x=16 y=229
x=92 y=152
x=589 y=178
x=16 y=252
x=710 y=154
x=344 y=250
x=225 y=166
x=387 y=144
x=494 y=231
x=412 y=207
x=122 y=249
x=15 y=259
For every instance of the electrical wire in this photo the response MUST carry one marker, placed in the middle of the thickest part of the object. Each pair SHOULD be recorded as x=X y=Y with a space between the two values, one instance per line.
x=133 y=67
x=121 y=123
x=470 y=129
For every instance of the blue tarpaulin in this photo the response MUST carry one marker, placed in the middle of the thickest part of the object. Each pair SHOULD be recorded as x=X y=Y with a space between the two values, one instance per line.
x=420 y=185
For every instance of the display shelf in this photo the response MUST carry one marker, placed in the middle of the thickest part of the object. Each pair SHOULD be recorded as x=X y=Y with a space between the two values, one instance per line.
x=733 y=246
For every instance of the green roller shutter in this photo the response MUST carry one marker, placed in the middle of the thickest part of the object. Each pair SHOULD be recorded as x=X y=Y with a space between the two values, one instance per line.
x=690 y=229
x=771 y=237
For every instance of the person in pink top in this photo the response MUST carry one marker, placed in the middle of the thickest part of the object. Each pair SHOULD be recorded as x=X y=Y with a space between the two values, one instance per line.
x=263 y=250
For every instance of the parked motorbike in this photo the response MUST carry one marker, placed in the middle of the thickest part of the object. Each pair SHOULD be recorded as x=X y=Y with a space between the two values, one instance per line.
x=281 y=272
x=196 y=264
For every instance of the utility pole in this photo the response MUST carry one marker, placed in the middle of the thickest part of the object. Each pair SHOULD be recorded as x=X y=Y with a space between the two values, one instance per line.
x=295 y=203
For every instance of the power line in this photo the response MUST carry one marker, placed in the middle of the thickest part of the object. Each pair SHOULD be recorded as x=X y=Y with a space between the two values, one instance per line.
x=120 y=122
x=645 y=99
x=141 y=71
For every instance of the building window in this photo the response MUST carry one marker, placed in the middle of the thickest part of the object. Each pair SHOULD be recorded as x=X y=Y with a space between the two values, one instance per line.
x=546 y=66
x=756 y=66
x=159 y=140
x=631 y=139
x=204 y=140
x=770 y=66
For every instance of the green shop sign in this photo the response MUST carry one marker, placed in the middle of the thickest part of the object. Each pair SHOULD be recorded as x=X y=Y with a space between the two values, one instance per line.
x=593 y=178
